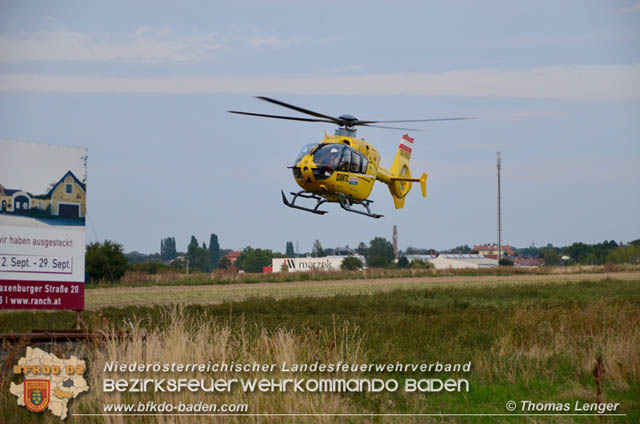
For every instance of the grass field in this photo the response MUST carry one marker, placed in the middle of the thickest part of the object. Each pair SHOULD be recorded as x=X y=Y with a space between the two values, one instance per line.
x=220 y=276
x=208 y=294
x=527 y=337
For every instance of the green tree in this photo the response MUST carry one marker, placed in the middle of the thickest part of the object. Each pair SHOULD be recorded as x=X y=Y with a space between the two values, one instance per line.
x=351 y=263
x=462 y=249
x=532 y=252
x=550 y=257
x=199 y=257
x=317 y=251
x=328 y=252
x=224 y=263
x=590 y=254
x=403 y=262
x=506 y=262
x=105 y=261
x=580 y=253
x=380 y=253
x=625 y=255
x=290 y=252
x=361 y=249
x=214 y=251
x=168 y=249
x=253 y=260
x=193 y=243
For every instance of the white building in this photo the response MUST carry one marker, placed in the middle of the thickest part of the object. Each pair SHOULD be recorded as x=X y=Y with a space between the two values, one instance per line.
x=452 y=260
x=423 y=258
x=328 y=263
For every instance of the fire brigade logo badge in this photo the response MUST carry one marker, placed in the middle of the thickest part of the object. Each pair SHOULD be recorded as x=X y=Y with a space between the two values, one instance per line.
x=36 y=395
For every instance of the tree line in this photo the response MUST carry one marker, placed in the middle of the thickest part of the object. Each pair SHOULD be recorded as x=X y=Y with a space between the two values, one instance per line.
x=107 y=261
x=591 y=254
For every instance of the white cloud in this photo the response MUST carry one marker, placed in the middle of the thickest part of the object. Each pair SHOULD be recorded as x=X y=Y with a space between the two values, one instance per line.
x=580 y=83
x=144 y=45
x=631 y=9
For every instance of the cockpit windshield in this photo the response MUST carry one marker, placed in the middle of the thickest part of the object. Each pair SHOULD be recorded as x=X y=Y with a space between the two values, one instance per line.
x=328 y=155
x=305 y=151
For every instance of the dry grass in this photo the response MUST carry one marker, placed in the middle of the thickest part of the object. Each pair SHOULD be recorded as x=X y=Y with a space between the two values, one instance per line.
x=528 y=337
x=200 y=340
x=220 y=276
x=534 y=336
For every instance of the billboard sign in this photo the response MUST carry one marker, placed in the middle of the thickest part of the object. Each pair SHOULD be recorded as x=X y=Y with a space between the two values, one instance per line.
x=327 y=263
x=43 y=196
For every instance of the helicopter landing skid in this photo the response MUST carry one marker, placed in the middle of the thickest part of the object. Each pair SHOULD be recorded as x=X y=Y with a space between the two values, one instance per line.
x=305 y=195
x=346 y=202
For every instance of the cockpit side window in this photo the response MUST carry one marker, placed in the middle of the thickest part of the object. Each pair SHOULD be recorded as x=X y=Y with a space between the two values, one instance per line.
x=365 y=164
x=345 y=160
x=355 y=162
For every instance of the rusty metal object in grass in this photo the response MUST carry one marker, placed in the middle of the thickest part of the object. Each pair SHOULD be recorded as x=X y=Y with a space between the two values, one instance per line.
x=61 y=336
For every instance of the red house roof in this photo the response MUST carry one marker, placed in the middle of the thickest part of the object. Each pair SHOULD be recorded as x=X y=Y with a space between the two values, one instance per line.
x=232 y=256
x=505 y=248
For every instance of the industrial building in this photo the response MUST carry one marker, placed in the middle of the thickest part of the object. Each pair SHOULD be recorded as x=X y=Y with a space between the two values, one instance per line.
x=334 y=263
x=453 y=260
x=423 y=258
x=327 y=263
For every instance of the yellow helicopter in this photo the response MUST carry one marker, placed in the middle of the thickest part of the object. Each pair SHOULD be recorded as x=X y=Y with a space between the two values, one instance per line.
x=343 y=168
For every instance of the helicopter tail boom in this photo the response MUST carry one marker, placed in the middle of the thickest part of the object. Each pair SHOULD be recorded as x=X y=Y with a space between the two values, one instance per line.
x=400 y=179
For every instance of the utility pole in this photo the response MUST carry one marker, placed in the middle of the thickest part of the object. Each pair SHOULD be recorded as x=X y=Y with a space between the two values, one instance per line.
x=499 y=166
x=395 y=240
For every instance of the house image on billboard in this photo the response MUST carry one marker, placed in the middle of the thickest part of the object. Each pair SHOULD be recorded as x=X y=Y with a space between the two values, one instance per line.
x=66 y=199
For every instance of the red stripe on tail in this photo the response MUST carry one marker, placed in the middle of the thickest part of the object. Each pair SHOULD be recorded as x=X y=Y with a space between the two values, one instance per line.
x=405 y=148
x=407 y=138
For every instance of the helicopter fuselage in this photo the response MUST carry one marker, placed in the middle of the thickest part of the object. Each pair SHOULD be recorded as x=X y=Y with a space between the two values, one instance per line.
x=344 y=168
x=339 y=164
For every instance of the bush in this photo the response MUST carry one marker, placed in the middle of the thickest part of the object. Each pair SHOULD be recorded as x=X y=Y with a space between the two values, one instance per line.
x=150 y=267
x=403 y=262
x=105 y=261
x=351 y=263
x=506 y=262
x=419 y=264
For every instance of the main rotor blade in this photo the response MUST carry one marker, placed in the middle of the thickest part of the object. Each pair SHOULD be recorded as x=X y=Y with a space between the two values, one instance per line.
x=299 y=109
x=291 y=118
x=391 y=128
x=410 y=120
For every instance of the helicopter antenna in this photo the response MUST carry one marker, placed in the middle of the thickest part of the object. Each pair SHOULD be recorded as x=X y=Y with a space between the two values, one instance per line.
x=499 y=167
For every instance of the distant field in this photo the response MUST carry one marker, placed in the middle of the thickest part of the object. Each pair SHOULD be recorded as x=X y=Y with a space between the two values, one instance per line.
x=211 y=294
x=220 y=276
x=527 y=337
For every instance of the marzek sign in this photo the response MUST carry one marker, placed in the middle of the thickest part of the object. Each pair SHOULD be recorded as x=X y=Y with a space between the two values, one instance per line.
x=42 y=217
x=329 y=263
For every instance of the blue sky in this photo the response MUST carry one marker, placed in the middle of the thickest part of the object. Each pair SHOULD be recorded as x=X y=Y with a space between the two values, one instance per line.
x=145 y=86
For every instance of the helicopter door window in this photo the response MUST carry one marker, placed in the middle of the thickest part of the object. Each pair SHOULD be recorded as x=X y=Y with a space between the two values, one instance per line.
x=355 y=162
x=345 y=160
x=365 y=165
